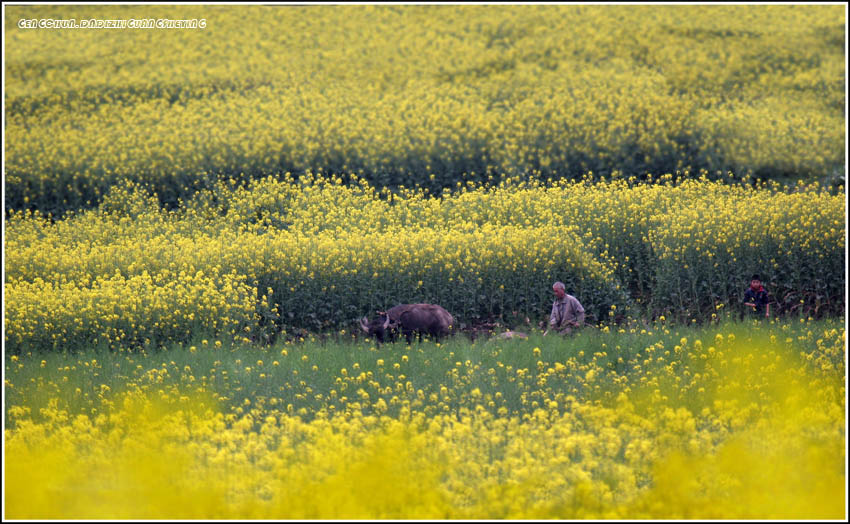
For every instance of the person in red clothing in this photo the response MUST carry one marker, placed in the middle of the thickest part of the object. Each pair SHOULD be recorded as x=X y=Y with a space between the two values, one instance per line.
x=756 y=298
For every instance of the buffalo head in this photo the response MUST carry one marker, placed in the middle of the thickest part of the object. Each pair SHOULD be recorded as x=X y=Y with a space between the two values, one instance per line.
x=381 y=326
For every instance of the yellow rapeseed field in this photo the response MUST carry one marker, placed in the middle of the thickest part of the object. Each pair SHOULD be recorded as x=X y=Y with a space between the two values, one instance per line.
x=418 y=94
x=195 y=221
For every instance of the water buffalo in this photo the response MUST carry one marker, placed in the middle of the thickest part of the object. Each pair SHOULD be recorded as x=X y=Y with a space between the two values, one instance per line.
x=409 y=318
x=425 y=318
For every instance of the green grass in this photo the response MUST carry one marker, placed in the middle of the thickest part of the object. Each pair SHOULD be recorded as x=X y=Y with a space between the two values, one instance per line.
x=507 y=377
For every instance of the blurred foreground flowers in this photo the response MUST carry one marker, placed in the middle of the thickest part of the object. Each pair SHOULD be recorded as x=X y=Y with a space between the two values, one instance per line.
x=732 y=425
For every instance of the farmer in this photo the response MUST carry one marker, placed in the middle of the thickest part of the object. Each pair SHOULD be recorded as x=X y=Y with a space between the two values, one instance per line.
x=755 y=298
x=567 y=312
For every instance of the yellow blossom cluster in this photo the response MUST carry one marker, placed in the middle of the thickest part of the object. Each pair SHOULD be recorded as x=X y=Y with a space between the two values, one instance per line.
x=729 y=422
x=137 y=310
x=428 y=95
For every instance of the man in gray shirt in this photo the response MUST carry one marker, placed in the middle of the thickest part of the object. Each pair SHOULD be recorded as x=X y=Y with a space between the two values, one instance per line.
x=567 y=312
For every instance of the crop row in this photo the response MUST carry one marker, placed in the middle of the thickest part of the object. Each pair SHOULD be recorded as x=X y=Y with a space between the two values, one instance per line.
x=276 y=255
